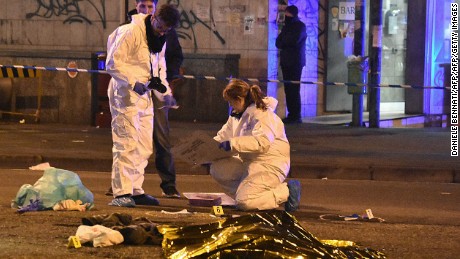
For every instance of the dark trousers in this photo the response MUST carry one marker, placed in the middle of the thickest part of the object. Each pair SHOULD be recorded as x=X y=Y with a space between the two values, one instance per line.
x=292 y=91
x=163 y=158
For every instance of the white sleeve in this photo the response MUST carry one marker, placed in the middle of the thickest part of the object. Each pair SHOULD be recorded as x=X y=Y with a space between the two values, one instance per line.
x=119 y=47
x=162 y=66
x=225 y=133
x=261 y=137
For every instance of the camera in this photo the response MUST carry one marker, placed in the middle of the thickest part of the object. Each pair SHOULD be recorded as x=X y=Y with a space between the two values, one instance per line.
x=155 y=84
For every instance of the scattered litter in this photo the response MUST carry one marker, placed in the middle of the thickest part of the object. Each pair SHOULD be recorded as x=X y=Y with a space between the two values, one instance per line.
x=77 y=141
x=445 y=193
x=324 y=178
x=367 y=217
x=40 y=167
x=99 y=235
x=71 y=205
x=22 y=121
x=351 y=217
x=184 y=211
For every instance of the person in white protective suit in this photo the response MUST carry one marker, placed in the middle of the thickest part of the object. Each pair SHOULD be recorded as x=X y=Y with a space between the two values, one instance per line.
x=255 y=175
x=135 y=60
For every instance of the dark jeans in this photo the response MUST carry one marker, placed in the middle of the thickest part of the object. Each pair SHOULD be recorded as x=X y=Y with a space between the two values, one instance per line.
x=163 y=158
x=292 y=91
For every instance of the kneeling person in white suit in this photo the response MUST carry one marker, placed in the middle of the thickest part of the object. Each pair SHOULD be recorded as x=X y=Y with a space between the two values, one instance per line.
x=255 y=175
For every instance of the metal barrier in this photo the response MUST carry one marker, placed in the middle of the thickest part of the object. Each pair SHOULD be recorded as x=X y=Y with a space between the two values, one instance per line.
x=15 y=72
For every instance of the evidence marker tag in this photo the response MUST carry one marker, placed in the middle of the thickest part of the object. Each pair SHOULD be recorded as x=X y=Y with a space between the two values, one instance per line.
x=217 y=210
x=74 y=241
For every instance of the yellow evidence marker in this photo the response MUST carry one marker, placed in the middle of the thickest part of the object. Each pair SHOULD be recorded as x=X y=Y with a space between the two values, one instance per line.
x=217 y=210
x=74 y=241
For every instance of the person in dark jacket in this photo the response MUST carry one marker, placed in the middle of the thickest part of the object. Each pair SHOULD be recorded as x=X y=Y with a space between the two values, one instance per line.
x=291 y=42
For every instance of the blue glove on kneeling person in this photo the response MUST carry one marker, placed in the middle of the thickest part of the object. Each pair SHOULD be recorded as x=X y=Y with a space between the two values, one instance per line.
x=225 y=146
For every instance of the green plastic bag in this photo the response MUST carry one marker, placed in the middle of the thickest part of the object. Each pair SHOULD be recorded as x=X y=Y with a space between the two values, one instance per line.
x=55 y=185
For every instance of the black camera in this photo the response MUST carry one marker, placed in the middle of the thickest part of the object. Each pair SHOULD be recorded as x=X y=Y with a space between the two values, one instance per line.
x=155 y=84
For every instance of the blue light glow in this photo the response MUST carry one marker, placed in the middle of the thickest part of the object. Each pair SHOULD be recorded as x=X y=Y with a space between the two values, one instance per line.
x=437 y=51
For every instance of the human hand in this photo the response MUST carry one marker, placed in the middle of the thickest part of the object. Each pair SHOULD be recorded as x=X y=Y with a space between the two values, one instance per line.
x=140 y=88
x=169 y=102
x=225 y=146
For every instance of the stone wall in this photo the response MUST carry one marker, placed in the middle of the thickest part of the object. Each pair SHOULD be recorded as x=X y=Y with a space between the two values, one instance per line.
x=50 y=33
x=53 y=33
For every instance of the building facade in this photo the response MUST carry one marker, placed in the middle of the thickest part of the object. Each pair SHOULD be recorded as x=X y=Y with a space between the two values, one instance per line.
x=56 y=33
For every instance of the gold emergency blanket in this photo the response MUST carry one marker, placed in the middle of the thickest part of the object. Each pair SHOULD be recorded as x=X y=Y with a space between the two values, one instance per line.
x=274 y=234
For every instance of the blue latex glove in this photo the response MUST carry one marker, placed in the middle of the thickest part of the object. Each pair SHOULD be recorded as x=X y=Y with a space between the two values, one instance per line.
x=169 y=101
x=140 y=88
x=225 y=146
x=33 y=206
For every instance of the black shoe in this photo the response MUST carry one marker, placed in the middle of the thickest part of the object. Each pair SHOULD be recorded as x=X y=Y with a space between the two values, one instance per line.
x=145 y=199
x=290 y=120
x=109 y=192
x=170 y=192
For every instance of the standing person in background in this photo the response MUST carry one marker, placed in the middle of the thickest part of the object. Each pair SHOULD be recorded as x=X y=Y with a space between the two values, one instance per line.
x=164 y=161
x=291 y=42
x=255 y=175
x=135 y=60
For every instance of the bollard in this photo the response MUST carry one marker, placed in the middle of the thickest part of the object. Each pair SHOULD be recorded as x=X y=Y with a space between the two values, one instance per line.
x=358 y=69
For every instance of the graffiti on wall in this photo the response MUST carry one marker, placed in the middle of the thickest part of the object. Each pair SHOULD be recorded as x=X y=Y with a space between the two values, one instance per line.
x=68 y=8
x=188 y=22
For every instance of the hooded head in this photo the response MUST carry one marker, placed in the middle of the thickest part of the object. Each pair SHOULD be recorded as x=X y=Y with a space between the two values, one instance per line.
x=291 y=13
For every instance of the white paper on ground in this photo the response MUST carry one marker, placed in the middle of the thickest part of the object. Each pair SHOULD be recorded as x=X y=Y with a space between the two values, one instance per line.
x=226 y=200
x=184 y=211
x=41 y=166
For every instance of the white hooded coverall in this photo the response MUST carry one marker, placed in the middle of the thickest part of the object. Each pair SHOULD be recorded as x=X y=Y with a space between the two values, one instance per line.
x=129 y=61
x=255 y=176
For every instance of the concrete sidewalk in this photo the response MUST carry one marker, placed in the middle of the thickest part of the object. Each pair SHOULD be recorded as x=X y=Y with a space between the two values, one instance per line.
x=317 y=151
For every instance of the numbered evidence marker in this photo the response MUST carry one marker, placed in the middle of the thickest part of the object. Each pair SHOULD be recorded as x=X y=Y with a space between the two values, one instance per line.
x=74 y=241
x=369 y=214
x=217 y=210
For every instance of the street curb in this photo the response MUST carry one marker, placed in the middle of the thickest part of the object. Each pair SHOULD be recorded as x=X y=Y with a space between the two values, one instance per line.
x=298 y=170
x=377 y=173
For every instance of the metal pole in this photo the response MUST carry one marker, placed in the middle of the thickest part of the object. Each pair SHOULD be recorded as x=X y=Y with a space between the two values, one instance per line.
x=360 y=23
x=375 y=44
x=358 y=50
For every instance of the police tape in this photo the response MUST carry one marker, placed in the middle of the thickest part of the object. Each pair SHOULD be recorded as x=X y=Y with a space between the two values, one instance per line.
x=251 y=80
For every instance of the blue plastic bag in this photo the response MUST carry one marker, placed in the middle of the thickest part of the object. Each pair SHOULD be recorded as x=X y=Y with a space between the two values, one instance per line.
x=55 y=185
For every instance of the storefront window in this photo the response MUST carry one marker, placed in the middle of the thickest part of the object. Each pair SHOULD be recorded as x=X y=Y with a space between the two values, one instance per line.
x=393 y=54
x=437 y=50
